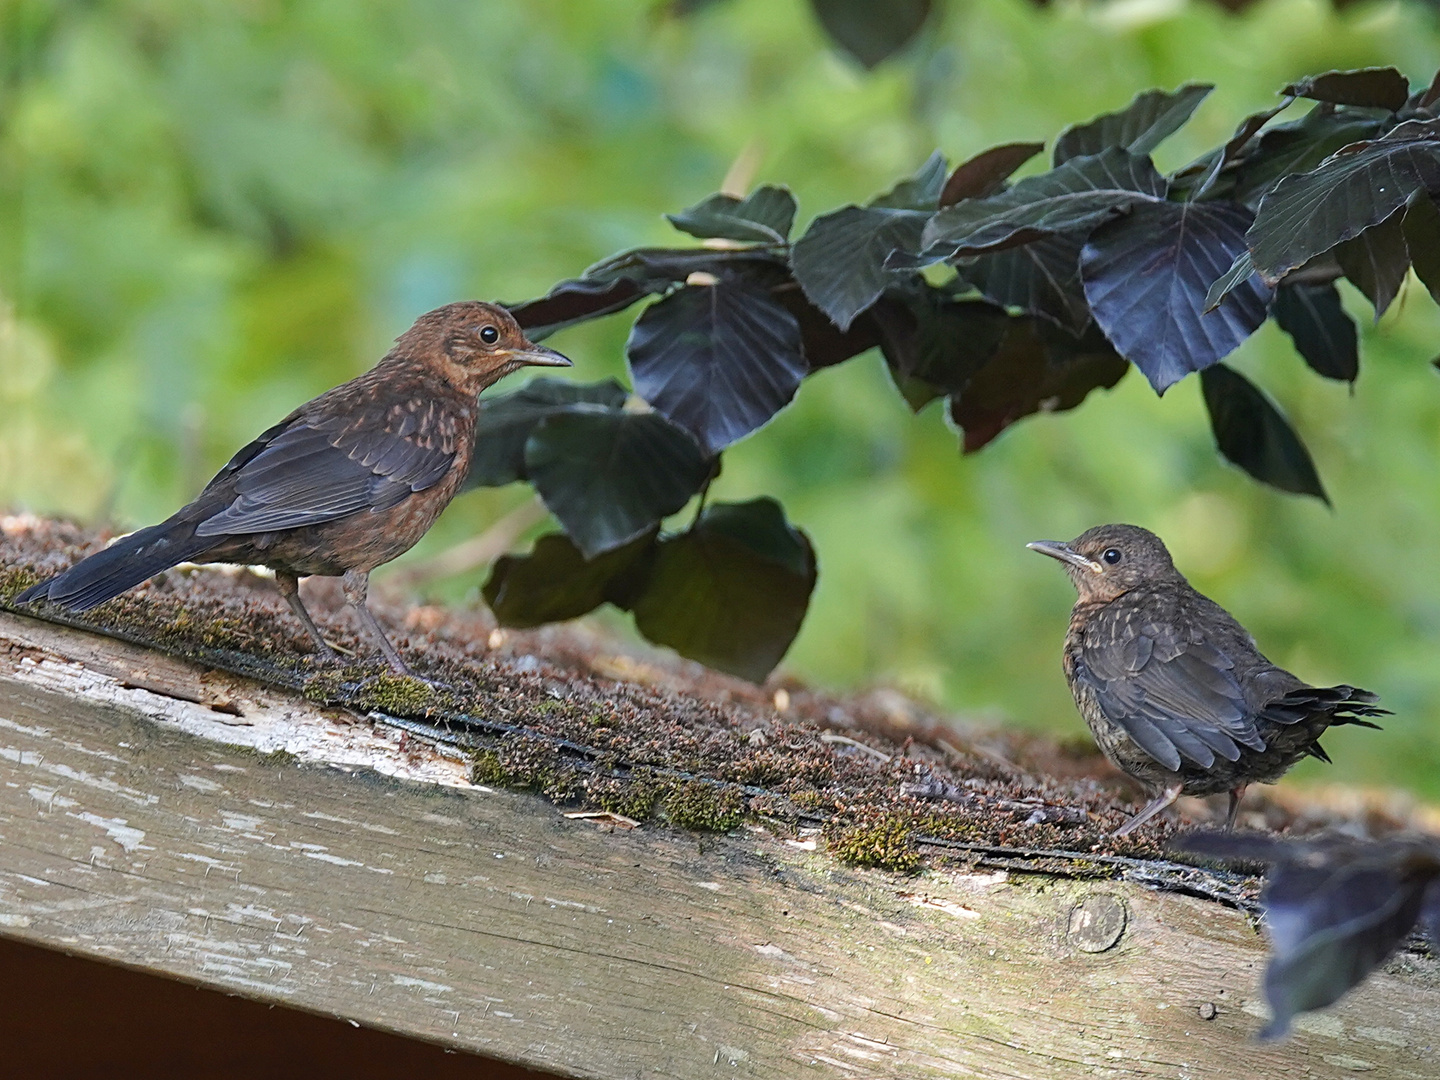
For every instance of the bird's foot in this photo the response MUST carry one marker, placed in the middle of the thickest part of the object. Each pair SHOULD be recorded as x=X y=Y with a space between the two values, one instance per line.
x=1149 y=810
x=392 y=657
x=356 y=585
x=1236 y=794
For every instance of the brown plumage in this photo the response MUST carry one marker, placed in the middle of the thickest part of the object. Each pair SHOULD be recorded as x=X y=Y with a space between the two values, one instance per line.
x=346 y=482
x=1173 y=688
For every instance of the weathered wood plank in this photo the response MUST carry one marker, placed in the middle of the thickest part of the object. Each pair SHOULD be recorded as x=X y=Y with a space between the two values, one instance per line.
x=134 y=828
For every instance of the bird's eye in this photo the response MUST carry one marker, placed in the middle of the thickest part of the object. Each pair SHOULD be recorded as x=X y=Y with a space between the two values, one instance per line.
x=489 y=335
x=1112 y=555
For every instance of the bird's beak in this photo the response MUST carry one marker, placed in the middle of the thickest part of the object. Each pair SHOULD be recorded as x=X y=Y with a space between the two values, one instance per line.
x=1065 y=553
x=540 y=356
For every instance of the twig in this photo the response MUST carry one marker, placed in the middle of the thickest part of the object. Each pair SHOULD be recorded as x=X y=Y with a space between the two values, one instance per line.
x=831 y=737
x=741 y=173
x=473 y=553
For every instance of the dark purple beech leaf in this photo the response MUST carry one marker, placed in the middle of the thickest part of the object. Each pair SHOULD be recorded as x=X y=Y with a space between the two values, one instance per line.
x=556 y=582
x=506 y=420
x=1040 y=278
x=1251 y=433
x=1377 y=260
x=1150 y=119
x=660 y=268
x=840 y=261
x=610 y=475
x=1146 y=276
x=933 y=343
x=719 y=360
x=825 y=344
x=732 y=591
x=872 y=30
x=918 y=192
x=1073 y=197
x=1377 y=88
x=1427 y=98
x=1241 y=271
x=762 y=217
x=576 y=301
x=1209 y=167
x=1323 y=333
x=1335 y=910
x=985 y=173
x=1422 y=240
x=615 y=283
x=1037 y=368
x=1352 y=190
x=1298 y=147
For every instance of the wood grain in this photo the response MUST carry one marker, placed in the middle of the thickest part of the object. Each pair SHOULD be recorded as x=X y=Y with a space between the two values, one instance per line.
x=145 y=819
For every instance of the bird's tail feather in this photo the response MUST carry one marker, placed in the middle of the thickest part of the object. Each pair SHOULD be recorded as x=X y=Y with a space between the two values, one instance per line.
x=122 y=565
x=1342 y=704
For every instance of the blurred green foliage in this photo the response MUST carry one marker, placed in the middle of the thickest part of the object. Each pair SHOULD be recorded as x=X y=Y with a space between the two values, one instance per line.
x=210 y=212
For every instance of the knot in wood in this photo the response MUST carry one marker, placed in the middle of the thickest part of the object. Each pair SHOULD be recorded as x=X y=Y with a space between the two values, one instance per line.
x=1096 y=922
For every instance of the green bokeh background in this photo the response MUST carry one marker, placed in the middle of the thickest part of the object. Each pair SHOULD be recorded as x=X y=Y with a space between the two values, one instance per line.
x=210 y=212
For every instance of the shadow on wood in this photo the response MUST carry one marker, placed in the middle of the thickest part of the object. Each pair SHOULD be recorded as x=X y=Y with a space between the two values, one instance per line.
x=64 y=1016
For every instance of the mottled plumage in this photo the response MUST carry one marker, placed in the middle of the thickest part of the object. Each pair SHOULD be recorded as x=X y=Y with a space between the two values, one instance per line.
x=1175 y=690
x=346 y=482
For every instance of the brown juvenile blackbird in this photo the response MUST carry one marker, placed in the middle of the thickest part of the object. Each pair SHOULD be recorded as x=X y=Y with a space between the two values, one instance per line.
x=344 y=483
x=1173 y=688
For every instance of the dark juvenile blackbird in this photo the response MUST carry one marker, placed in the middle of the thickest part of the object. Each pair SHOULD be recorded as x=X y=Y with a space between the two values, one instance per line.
x=1173 y=688
x=344 y=483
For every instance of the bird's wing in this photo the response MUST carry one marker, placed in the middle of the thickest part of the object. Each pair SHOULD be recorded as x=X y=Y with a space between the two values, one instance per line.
x=308 y=470
x=1177 y=696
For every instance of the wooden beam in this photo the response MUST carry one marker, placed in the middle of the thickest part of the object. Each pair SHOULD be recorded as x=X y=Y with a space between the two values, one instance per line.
x=182 y=822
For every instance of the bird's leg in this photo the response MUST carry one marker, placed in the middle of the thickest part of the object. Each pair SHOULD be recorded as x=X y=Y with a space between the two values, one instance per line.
x=1149 y=810
x=357 y=584
x=289 y=586
x=1236 y=794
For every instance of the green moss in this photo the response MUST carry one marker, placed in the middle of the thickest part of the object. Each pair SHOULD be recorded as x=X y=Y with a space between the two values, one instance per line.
x=705 y=807
x=530 y=765
x=281 y=757
x=952 y=827
x=563 y=784
x=527 y=765
x=14 y=580
x=601 y=719
x=886 y=842
x=809 y=799
x=760 y=770
x=364 y=689
x=554 y=712
x=633 y=798
x=399 y=695
x=275 y=757
x=486 y=768
x=229 y=634
x=328 y=685
x=184 y=632
x=1083 y=868
x=498 y=769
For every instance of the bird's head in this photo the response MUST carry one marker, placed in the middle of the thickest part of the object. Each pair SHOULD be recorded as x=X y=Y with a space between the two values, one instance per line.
x=474 y=344
x=1110 y=560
